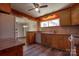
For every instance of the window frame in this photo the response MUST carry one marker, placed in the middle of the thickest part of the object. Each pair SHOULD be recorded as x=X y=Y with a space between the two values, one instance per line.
x=44 y=26
x=49 y=22
x=54 y=21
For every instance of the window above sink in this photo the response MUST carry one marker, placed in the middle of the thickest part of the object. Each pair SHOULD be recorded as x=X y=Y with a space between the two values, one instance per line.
x=49 y=23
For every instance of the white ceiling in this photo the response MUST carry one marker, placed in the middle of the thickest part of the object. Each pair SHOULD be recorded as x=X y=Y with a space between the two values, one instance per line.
x=52 y=7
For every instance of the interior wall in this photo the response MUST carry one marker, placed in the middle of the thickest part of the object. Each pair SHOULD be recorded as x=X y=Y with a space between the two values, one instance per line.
x=62 y=30
x=32 y=25
x=21 y=31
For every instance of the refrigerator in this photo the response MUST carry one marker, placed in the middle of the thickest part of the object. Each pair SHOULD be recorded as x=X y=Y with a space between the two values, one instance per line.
x=7 y=26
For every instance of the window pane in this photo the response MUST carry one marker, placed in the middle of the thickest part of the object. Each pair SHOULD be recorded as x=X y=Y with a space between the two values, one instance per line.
x=54 y=22
x=44 y=24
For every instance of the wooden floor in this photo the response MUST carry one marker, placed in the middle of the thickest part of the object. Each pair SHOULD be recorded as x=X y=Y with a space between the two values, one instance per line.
x=38 y=50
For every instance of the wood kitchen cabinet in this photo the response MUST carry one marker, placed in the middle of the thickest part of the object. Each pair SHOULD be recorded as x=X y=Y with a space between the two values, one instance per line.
x=11 y=47
x=69 y=16
x=58 y=41
x=13 y=51
x=42 y=39
x=55 y=41
x=30 y=37
x=49 y=39
x=77 y=49
x=75 y=15
x=5 y=7
x=65 y=17
x=46 y=40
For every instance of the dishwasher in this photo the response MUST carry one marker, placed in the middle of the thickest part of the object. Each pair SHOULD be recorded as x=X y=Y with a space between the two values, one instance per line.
x=38 y=37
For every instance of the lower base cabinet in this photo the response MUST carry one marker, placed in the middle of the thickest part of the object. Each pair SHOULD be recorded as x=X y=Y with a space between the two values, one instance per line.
x=46 y=40
x=58 y=41
x=77 y=51
x=13 y=51
x=30 y=38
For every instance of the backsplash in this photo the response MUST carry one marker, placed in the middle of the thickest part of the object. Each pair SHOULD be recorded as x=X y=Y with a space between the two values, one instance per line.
x=62 y=30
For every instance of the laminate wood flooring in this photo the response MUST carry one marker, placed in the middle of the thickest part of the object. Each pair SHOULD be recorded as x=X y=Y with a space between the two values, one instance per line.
x=39 y=50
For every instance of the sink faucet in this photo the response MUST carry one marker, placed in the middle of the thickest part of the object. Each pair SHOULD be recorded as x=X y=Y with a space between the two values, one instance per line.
x=54 y=31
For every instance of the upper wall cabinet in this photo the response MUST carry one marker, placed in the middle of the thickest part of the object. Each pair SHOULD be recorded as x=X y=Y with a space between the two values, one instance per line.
x=5 y=7
x=65 y=18
x=68 y=16
x=75 y=15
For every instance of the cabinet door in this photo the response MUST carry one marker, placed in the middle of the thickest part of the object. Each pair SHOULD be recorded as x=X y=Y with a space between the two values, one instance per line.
x=77 y=51
x=13 y=51
x=8 y=52
x=30 y=37
x=75 y=15
x=60 y=42
x=5 y=7
x=65 y=18
x=19 y=51
x=43 y=39
x=48 y=40
x=66 y=42
x=54 y=41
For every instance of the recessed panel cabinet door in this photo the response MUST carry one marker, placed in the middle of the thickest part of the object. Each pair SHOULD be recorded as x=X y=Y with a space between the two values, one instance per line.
x=65 y=18
x=75 y=15
x=60 y=42
x=30 y=38
x=54 y=41
x=44 y=39
x=49 y=40
x=64 y=43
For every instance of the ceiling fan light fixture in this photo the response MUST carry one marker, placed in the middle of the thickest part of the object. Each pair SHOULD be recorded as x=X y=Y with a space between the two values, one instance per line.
x=36 y=9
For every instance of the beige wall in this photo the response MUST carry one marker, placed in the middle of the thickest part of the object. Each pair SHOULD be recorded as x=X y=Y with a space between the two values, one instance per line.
x=32 y=25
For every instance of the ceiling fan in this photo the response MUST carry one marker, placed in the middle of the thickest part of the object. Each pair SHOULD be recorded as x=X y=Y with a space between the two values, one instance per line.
x=37 y=7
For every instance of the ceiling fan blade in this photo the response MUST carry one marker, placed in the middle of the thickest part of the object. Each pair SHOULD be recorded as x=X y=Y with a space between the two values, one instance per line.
x=31 y=9
x=44 y=6
x=36 y=5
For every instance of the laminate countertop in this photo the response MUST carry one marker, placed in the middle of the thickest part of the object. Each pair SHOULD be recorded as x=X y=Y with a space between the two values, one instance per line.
x=54 y=33
x=9 y=43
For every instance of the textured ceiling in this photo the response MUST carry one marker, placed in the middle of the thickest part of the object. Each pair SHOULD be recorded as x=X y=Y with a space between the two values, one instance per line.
x=52 y=7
